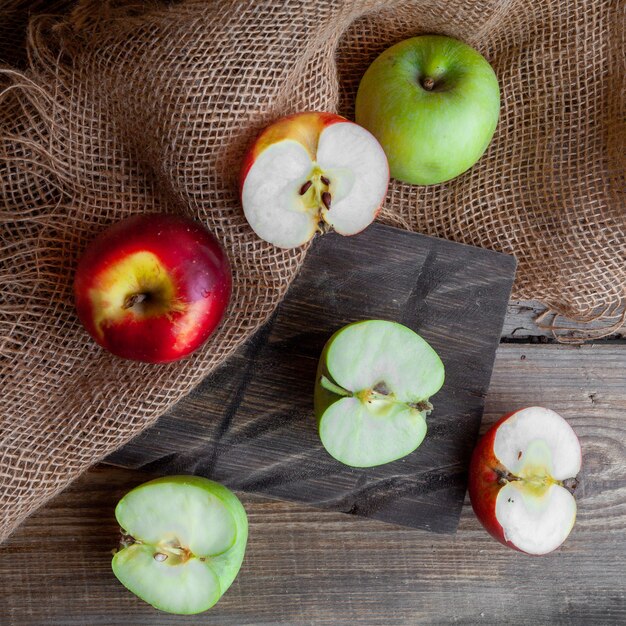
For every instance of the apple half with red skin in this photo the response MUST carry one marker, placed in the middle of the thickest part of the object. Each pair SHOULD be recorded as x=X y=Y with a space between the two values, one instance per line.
x=311 y=172
x=520 y=480
x=152 y=287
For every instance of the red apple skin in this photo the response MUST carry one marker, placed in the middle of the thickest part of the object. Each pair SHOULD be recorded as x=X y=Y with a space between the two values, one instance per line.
x=483 y=483
x=185 y=262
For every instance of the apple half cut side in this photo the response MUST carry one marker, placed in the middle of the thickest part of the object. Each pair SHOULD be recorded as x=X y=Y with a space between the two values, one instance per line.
x=521 y=477
x=310 y=172
x=183 y=542
x=373 y=385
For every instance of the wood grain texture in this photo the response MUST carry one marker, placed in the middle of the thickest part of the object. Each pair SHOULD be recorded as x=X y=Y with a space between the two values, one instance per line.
x=251 y=426
x=306 y=566
x=520 y=325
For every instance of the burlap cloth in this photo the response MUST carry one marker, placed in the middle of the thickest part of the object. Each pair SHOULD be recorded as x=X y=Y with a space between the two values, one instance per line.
x=114 y=110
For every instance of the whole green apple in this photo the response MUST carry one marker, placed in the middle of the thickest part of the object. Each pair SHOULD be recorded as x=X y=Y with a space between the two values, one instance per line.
x=433 y=103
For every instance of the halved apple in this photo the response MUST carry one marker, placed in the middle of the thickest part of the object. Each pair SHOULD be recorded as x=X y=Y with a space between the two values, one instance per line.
x=309 y=172
x=521 y=477
x=372 y=391
x=183 y=542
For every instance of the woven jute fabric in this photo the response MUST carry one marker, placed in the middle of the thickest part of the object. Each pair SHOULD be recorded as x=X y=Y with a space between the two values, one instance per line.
x=111 y=109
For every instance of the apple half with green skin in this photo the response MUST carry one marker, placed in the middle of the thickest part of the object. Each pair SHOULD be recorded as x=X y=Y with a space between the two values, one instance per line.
x=312 y=172
x=433 y=103
x=183 y=542
x=372 y=391
x=521 y=477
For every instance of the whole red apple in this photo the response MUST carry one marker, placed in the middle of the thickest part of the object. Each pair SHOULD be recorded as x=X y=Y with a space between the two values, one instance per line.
x=520 y=480
x=152 y=287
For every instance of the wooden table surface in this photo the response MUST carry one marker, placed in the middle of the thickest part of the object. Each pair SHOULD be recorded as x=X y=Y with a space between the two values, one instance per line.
x=305 y=566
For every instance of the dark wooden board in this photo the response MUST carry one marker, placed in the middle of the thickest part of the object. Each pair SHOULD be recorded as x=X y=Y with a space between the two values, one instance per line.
x=250 y=424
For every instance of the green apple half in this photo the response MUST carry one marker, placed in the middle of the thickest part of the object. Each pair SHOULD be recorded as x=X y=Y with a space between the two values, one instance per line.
x=433 y=104
x=373 y=385
x=184 y=539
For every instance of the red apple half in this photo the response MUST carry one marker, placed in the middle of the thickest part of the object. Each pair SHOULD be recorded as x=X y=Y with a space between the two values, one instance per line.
x=312 y=171
x=152 y=287
x=520 y=478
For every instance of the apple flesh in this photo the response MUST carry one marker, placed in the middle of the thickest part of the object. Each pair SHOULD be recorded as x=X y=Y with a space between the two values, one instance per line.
x=433 y=103
x=152 y=287
x=372 y=391
x=183 y=542
x=310 y=172
x=520 y=480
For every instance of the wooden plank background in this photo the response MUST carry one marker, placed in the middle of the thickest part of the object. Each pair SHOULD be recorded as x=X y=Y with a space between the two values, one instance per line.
x=305 y=566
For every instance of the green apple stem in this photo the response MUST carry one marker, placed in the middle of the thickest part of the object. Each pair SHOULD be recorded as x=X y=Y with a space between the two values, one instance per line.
x=332 y=387
x=428 y=84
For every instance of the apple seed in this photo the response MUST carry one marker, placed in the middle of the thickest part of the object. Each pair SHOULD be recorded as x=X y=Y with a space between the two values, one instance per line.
x=305 y=187
x=326 y=198
x=382 y=388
